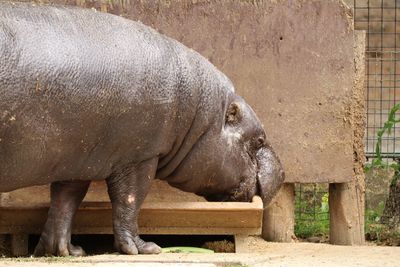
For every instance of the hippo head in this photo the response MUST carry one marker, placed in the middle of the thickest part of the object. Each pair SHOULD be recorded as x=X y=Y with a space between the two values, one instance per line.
x=232 y=161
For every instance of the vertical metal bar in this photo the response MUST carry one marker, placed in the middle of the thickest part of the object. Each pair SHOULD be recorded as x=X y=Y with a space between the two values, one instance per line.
x=386 y=87
x=381 y=72
x=300 y=200
x=368 y=77
x=314 y=199
x=395 y=71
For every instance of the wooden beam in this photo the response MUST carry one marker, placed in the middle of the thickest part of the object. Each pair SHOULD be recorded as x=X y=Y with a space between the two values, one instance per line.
x=346 y=214
x=278 y=221
x=240 y=244
x=154 y=218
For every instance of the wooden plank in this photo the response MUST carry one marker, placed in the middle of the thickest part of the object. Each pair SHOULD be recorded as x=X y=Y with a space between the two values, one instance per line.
x=255 y=205
x=167 y=218
x=200 y=231
x=165 y=211
x=89 y=230
x=100 y=222
x=200 y=219
x=39 y=196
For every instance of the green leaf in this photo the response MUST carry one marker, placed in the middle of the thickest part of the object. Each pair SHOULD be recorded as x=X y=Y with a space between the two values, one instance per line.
x=186 y=250
x=388 y=126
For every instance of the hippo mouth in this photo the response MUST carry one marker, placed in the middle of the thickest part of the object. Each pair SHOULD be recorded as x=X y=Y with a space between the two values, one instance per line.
x=243 y=193
x=266 y=183
x=269 y=179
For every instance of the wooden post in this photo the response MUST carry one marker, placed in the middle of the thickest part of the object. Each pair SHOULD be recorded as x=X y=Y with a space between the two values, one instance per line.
x=240 y=244
x=346 y=207
x=278 y=220
x=19 y=244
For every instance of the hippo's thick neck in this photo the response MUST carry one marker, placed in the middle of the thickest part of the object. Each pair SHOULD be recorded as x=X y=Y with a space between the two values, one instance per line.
x=185 y=171
x=214 y=90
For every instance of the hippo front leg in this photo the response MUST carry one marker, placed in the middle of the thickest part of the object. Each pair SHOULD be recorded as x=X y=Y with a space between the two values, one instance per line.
x=127 y=191
x=56 y=236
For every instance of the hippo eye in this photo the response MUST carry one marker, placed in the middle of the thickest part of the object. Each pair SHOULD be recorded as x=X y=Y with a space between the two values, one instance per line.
x=260 y=142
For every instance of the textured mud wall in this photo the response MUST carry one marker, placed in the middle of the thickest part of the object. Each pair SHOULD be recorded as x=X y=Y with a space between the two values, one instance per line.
x=291 y=60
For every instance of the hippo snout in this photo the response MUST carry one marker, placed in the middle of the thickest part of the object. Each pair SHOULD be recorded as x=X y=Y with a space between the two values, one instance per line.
x=270 y=176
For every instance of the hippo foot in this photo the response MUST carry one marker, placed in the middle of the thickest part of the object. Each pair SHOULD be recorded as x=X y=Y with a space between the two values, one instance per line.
x=53 y=248
x=136 y=245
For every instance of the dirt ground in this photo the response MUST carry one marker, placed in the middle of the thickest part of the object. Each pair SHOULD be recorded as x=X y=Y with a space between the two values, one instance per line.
x=261 y=253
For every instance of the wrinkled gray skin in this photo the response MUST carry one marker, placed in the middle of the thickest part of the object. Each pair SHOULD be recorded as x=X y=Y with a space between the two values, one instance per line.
x=88 y=96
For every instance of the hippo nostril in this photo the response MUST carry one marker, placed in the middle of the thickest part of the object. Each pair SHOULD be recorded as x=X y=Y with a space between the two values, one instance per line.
x=260 y=142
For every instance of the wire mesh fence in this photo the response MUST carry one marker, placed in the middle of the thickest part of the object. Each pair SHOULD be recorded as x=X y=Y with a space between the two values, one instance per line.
x=380 y=19
x=311 y=210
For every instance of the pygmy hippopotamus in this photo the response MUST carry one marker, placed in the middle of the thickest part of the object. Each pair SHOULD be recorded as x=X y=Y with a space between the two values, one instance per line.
x=86 y=96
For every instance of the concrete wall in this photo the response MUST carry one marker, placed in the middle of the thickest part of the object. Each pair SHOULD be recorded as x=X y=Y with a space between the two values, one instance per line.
x=293 y=61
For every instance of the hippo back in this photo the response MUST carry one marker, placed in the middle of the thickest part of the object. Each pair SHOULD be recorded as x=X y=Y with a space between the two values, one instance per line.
x=84 y=93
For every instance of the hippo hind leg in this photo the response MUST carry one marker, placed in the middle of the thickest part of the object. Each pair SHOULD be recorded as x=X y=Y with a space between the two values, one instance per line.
x=127 y=190
x=56 y=237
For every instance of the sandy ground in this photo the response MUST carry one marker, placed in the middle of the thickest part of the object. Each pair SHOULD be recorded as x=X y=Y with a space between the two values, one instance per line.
x=262 y=254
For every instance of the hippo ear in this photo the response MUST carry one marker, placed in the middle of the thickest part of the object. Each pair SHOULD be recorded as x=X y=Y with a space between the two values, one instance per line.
x=234 y=113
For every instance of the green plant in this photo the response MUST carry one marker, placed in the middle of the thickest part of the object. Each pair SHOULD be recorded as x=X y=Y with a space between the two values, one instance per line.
x=374 y=228
x=312 y=219
x=374 y=215
x=377 y=162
